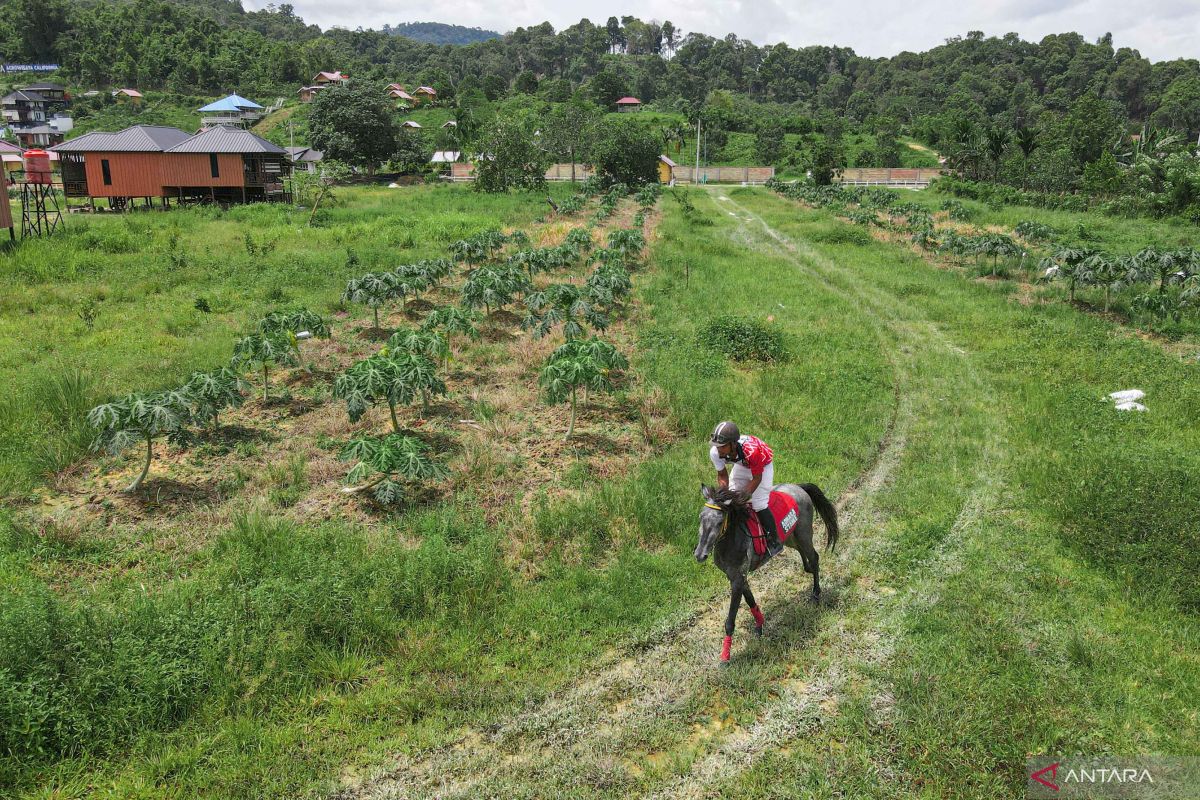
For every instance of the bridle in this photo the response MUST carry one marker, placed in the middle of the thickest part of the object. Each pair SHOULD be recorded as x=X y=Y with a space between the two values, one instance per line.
x=724 y=520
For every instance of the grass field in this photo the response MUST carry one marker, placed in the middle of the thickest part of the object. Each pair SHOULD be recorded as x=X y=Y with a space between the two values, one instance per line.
x=1015 y=576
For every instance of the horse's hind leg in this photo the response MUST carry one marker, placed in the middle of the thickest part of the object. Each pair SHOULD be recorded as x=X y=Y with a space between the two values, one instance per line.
x=736 y=586
x=754 y=609
x=812 y=563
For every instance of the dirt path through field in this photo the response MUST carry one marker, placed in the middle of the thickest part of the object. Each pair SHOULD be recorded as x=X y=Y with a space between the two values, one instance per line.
x=646 y=722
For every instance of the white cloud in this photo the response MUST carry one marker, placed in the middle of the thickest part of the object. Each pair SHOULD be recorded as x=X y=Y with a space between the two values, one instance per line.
x=1160 y=29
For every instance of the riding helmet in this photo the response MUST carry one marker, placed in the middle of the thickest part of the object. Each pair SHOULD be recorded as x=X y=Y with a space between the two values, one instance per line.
x=725 y=433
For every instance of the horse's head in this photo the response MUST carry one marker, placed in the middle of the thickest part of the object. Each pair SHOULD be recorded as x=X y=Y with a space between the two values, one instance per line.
x=720 y=507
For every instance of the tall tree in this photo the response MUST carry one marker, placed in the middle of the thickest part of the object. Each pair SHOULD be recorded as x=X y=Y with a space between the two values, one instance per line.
x=354 y=124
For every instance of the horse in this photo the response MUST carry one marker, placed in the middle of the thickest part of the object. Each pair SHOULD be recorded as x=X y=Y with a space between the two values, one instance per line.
x=723 y=532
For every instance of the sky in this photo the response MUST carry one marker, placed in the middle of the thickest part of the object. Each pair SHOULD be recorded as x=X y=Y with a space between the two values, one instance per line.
x=1160 y=29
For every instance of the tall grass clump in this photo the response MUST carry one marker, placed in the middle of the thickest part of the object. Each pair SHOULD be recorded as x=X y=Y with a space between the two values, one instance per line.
x=742 y=339
x=86 y=674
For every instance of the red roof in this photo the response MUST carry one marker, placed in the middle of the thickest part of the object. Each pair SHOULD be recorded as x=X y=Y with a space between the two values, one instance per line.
x=629 y=101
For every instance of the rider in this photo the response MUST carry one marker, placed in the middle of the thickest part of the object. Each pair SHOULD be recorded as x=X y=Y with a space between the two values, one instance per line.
x=753 y=472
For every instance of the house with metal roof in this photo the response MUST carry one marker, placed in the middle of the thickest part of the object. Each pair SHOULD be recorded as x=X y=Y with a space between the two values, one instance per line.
x=304 y=158
x=231 y=111
x=427 y=93
x=227 y=165
x=151 y=162
x=121 y=167
x=327 y=78
x=627 y=104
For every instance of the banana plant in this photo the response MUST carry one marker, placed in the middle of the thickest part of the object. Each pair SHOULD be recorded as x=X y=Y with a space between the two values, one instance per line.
x=387 y=463
x=140 y=418
x=260 y=351
x=210 y=392
x=579 y=364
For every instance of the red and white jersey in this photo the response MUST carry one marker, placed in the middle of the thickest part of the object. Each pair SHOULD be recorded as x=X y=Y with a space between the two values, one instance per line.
x=751 y=453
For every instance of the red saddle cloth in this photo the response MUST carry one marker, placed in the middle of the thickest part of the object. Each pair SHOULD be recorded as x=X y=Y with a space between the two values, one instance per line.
x=787 y=514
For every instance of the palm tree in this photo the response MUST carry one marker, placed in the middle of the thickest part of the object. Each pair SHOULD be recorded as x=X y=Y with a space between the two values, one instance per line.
x=996 y=140
x=1027 y=141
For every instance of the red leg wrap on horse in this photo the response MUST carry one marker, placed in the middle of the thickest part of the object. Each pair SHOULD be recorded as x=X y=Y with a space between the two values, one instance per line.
x=758 y=616
x=725 y=648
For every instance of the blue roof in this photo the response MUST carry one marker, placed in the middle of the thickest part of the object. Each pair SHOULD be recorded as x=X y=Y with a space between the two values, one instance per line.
x=235 y=102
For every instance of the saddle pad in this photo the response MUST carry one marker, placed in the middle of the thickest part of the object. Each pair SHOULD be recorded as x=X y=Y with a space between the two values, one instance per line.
x=786 y=513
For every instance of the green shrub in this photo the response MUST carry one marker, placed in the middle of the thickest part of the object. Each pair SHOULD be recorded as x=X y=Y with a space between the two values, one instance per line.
x=742 y=339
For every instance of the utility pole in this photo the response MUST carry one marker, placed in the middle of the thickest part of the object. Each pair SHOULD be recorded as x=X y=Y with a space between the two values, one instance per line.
x=696 y=169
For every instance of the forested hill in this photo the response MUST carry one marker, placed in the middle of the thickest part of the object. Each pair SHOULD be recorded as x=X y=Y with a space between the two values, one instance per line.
x=440 y=33
x=215 y=46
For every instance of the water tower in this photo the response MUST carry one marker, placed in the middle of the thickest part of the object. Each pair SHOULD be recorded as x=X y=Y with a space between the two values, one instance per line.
x=40 y=214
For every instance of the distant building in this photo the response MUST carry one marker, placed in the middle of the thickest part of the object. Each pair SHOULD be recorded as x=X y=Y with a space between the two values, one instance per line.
x=53 y=93
x=12 y=157
x=629 y=104
x=425 y=93
x=23 y=107
x=400 y=94
x=330 y=78
x=408 y=123
x=149 y=162
x=309 y=93
x=665 y=166
x=131 y=96
x=232 y=111
x=304 y=158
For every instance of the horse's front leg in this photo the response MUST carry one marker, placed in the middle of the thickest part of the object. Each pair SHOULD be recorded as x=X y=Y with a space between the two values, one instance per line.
x=754 y=609
x=736 y=585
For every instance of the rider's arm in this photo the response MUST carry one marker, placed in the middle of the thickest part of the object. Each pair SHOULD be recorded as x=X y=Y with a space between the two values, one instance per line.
x=753 y=484
x=723 y=478
x=719 y=466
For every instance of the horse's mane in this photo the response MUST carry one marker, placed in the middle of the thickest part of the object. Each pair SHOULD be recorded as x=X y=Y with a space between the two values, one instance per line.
x=740 y=505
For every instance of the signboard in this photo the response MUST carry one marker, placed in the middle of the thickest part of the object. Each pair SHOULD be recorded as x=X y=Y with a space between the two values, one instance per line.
x=30 y=67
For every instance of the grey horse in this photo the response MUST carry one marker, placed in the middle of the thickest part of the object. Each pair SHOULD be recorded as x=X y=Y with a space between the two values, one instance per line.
x=723 y=532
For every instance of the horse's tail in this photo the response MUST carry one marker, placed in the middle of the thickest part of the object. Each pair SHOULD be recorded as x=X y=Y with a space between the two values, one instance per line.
x=826 y=510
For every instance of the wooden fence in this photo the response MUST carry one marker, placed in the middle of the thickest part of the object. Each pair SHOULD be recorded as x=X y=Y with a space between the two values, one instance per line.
x=465 y=171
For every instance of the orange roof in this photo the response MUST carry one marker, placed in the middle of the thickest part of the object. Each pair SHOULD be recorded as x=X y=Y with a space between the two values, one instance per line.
x=629 y=101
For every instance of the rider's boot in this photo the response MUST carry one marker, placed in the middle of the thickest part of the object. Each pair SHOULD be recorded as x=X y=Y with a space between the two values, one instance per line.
x=767 y=520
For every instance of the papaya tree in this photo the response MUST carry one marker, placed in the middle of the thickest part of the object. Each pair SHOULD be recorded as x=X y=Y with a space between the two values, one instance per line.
x=374 y=290
x=408 y=280
x=996 y=245
x=562 y=304
x=454 y=321
x=261 y=351
x=210 y=392
x=1066 y=263
x=585 y=364
x=387 y=463
x=295 y=324
x=608 y=284
x=425 y=342
x=493 y=287
x=392 y=378
x=140 y=418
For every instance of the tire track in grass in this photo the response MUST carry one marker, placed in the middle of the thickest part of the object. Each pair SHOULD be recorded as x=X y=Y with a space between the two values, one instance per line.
x=568 y=740
x=796 y=712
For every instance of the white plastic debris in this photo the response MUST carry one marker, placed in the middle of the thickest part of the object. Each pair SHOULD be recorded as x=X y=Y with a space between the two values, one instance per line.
x=393 y=186
x=1050 y=272
x=304 y=335
x=1127 y=395
x=1130 y=405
